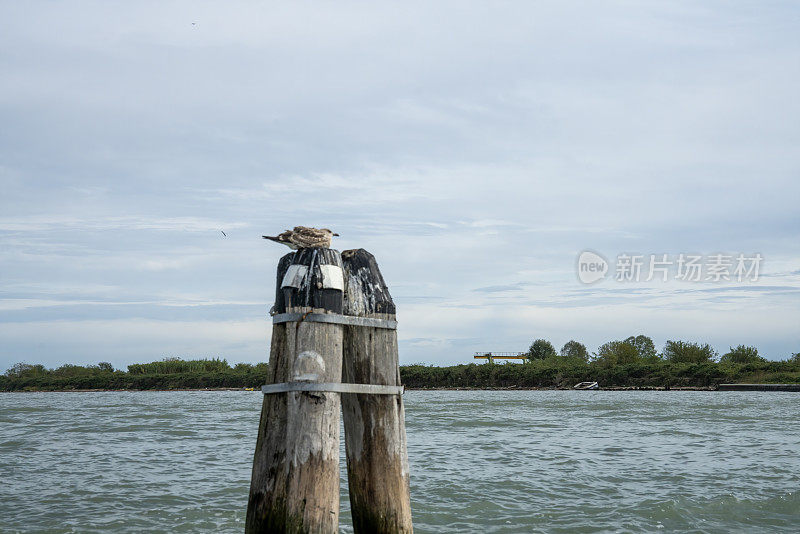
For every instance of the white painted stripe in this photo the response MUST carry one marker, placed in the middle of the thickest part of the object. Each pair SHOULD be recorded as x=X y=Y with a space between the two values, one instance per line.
x=332 y=277
x=294 y=276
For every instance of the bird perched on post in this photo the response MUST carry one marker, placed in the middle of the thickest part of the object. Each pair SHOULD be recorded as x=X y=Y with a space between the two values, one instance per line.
x=304 y=237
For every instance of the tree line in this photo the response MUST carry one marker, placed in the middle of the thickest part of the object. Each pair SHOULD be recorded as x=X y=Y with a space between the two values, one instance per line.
x=641 y=349
x=632 y=362
x=169 y=373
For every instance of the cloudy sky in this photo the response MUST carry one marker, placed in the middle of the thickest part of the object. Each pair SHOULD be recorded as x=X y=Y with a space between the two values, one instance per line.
x=474 y=148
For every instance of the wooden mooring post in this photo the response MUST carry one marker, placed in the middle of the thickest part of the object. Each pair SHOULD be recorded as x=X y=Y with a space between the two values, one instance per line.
x=374 y=425
x=295 y=480
x=331 y=308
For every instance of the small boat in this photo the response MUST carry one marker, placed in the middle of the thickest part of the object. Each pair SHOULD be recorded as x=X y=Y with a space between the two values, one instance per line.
x=586 y=385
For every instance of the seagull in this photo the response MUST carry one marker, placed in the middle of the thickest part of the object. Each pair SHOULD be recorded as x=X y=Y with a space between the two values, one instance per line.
x=304 y=237
x=223 y=233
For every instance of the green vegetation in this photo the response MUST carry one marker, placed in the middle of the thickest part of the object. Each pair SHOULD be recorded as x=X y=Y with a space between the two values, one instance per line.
x=645 y=348
x=632 y=362
x=616 y=353
x=541 y=349
x=170 y=366
x=574 y=349
x=742 y=354
x=565 y=373
x=635 y=349
x=685 y=352
x=171 y=373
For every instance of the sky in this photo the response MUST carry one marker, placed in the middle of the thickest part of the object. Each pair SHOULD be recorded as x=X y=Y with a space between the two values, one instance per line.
x=476 y=149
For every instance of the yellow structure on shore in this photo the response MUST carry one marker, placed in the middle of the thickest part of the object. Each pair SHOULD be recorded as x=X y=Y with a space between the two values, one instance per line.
x=491 y=356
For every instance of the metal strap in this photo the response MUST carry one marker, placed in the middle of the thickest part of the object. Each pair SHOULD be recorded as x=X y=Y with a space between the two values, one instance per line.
x=335 y=318
x=332 y=387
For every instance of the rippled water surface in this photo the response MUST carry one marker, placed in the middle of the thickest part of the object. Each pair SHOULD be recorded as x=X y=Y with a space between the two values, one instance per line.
x=481 y=461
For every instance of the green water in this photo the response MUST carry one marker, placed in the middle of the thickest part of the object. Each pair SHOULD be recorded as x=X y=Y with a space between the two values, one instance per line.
x=481 y=461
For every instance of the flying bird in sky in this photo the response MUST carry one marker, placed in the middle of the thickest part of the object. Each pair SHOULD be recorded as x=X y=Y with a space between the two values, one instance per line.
x=223 y=233
x=304 y=237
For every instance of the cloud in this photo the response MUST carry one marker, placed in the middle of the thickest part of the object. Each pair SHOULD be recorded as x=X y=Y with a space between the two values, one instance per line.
x=748 y=289
x=519 y=286
x=135 y=340
x=475 y=150
x=50 y=223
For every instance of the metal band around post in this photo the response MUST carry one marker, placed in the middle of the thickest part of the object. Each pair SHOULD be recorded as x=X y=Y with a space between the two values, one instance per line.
x=335 y=318
x=332 y=387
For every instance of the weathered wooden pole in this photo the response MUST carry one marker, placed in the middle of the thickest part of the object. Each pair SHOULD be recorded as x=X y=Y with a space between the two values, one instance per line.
x=375 y=434
x=295 y=480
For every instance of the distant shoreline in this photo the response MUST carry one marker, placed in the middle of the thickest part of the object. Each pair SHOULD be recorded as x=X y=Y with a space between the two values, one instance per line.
x=547 y=374
x=721 y=388
x=612 y=388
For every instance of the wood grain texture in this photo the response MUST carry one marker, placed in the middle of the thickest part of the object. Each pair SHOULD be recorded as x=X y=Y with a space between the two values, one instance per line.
x=295 y=480
x=375 y=436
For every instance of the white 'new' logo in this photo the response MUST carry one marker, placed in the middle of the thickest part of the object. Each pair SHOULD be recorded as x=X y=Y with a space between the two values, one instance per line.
x=591 y=267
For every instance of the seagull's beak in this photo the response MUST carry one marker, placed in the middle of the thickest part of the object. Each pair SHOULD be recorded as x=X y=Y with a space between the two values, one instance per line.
x=337 y=235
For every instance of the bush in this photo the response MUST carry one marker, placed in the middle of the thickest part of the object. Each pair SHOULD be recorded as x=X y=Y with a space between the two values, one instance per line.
x=541 y=349
x=741 y=354
x=573 y=349
x=616 y=353
x=69 y=370
x=686 y=352
x=22 y=369
x=644 y=346
x=176 y=365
